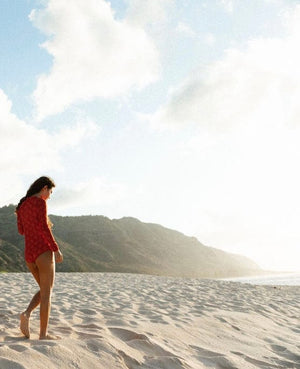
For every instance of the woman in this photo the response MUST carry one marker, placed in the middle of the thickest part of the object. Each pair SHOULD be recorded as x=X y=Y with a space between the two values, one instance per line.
x=40 y=251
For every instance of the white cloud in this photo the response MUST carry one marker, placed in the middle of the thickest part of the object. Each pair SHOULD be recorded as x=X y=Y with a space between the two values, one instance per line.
x=73 y=134
x=21 y=143
x=88 y=197
x=241 y=164
x=143 y=12
x=185 y=29
x=228 y=5
x=261 y=82
x=94 y=55
x=27 y=150
x=238 y=191
x=209 y=39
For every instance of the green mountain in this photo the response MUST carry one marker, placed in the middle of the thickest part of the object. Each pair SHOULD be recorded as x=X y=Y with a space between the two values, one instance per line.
x=99 y=244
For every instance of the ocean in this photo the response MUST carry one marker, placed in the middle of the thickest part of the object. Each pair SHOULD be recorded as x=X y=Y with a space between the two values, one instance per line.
x=283 y=279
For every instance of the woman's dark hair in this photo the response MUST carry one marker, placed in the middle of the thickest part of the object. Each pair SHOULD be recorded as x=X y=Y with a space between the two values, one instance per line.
x=36 y=187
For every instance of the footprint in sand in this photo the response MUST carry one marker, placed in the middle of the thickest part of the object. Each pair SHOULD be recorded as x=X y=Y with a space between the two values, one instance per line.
x=92 y=326
x=167 y=362
x=297 y=330
x=88 y=311
x=140 y=342
x=213 y=358
x=18 y=348
x=64 y=330
x=278 y=348
x=258 y=363
x=129 y=361
x=206 y=353
x=5 y=363
x=97 y=345
x=286 y=353
x=87 y=331
x=154 y=355
x=126 y=335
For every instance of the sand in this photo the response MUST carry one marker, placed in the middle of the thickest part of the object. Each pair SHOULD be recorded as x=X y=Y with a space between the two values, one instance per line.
x=134 y=321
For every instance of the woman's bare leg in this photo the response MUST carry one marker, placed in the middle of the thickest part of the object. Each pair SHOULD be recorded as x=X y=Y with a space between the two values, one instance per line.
x=34 y=303
x=46 y=268
x=24 y=317
x=37 y=297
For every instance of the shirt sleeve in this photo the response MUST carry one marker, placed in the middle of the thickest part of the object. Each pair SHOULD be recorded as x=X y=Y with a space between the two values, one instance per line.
x=44 y=224
x=20 y=225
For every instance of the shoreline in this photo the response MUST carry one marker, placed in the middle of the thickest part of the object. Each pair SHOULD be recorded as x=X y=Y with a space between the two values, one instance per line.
x=280 y=279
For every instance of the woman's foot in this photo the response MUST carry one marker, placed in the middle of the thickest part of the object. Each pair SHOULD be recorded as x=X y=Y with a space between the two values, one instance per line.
x=50 y=337
x=24 y=324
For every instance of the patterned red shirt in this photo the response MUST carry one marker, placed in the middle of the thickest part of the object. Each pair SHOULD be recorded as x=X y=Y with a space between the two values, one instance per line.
x=33 y=224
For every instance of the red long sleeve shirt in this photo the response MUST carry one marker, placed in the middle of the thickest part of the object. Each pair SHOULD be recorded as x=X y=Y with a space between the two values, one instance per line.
x=32 y=223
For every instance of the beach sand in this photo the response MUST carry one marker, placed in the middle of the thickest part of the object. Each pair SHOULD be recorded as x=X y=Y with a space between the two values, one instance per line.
x=136 y=321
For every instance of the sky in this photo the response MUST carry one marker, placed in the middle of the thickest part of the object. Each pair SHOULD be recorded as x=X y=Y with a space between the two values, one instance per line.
x=183 y=113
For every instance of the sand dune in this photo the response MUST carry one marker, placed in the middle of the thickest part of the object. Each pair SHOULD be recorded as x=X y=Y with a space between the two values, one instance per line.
x=134 y=321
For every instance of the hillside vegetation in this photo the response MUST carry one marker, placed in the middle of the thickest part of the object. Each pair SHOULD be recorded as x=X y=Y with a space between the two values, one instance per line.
x=99 y=244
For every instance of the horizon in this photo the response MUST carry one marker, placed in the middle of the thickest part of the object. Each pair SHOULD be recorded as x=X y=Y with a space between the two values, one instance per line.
x=183 y=115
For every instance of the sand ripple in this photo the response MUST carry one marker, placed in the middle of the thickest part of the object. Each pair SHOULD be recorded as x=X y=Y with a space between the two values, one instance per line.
x=134 y=321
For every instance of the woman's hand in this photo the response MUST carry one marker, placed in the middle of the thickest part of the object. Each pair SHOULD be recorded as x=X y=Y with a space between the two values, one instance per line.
x=58 y=256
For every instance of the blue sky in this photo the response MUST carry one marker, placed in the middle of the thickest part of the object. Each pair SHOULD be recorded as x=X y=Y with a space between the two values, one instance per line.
x=183 y=113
